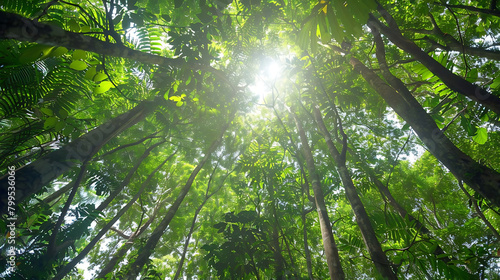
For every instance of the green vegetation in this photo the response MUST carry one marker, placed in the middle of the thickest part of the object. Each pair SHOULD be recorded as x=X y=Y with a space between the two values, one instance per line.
x=249 y=139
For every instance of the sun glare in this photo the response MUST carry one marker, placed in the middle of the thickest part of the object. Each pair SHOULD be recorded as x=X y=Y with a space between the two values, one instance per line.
x=265 y=80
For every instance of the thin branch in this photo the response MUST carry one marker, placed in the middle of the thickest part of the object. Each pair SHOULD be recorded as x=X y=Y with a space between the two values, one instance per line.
x=479 y=212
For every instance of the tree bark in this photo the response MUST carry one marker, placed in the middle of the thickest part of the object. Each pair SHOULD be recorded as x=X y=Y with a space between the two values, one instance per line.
x=306 y=246
x=331 y=251
x=491 y=11
x=32 y=177
x=13 y=26
x=147 y=250
x=482 y=179
x=453 y=81
x=377 y=255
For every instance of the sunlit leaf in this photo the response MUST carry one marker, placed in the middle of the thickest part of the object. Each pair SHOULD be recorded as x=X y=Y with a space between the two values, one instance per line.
x=481 y=136
x=78 y=65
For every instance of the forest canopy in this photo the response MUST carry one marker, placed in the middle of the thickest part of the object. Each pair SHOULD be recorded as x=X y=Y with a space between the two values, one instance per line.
x=250 y=139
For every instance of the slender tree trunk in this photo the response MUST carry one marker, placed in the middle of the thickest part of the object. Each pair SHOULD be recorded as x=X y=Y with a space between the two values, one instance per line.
x=147 y=250
x=32 y=177
x=66 y=269
x=453 y=81
x=279 y=270
x=52 y=246
x=306 y=247
x=331 y=251
x=384 y=191
x=482 y=179
x=290 y=256
x=479 y=212
x=122 y=252
x=370 y=238
x=186 y=243
x=55 y=195
x=193 y=223
x=68 y=186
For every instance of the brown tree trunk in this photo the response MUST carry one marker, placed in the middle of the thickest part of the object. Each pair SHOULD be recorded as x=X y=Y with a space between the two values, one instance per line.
x=370 y=238
x=454 y=82
x=13 y=26
x=147 y=250
x=32 y=177
x=482 y=179
x=331 y=251
x=306 y=246
x=455 y=45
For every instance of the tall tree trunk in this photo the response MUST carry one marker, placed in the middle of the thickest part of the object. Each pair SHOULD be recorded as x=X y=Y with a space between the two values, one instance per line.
x=147 y=250
x=122 y=252
x=370 y=238
x=293 y=266
x=306 y=245
x=279 y=263
x=453 y=81
x=55 y=195
x=482 y=179
x=32 y=177
x=66 y=269
x=331 y=251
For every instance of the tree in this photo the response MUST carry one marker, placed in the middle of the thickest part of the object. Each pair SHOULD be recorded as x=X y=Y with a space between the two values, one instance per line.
x=193 y=139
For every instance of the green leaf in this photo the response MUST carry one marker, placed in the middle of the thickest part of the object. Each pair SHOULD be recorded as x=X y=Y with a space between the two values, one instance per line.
x=59 y=51
x=176 y=98
x=204 y=17
x=73 y=25
x=100 y=77
x=78 y=65
x=59 y=126
x=334 y=25
x=79 y=55
x=103 y=87
x=325 y=34
x=89 y=75
x=85 y=29
x=35 y=52
x=179 y=103
x=472 y=75
x=63 y=114
x=47 y=111
x=50 y=123
x=166 y=17
x=481 y=136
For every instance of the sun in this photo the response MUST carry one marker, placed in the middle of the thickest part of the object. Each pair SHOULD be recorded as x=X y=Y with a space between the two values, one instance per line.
x=264 y=82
